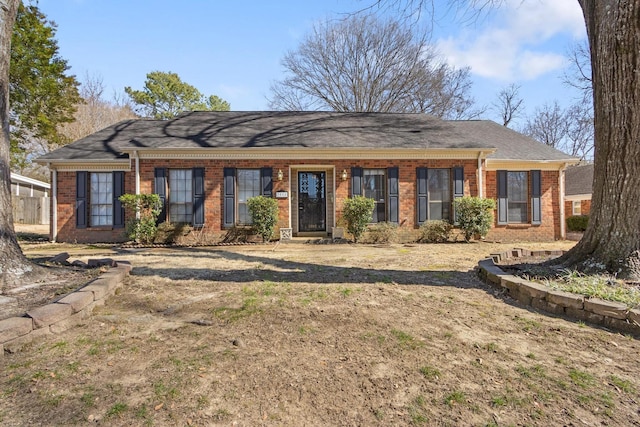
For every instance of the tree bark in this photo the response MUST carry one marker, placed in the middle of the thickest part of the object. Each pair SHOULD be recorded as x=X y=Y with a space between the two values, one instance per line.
x=14 y=266
x=613 y=233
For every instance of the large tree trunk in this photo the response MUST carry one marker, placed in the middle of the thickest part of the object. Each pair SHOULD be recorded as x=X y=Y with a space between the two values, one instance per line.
x=13 y=264
x=613 y=233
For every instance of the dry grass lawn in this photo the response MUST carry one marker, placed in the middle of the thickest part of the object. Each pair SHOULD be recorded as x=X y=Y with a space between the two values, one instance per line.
x=303 y=334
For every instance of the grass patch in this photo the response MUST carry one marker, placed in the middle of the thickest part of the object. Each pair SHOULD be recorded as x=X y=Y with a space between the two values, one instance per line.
x=429 y=372
x=405 y=340
x=581 y=379
x=117 y=410
x=601 y=286
x=620 y=384
x=456 y=397
x=418 y=411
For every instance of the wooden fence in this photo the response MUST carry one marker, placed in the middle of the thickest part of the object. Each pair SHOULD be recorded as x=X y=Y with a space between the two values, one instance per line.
x=30 y=210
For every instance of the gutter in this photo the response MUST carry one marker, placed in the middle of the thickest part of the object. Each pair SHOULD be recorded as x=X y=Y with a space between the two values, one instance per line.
x=137 y=161
x=54 y=203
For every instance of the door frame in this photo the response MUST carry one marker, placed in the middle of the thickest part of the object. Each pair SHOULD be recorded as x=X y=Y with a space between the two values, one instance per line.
x=330 y=197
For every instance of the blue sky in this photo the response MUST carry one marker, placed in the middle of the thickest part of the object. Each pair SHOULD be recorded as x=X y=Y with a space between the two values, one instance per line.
x=233 y=48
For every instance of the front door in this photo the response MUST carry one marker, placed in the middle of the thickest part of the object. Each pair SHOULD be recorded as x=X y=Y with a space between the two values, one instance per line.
x=312 y=214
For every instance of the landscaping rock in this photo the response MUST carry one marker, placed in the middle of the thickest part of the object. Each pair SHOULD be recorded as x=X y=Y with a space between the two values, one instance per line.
x=566 y=299
x=48 y=314
x=14 y=327
x=61 y=258
x=103 y=262
x=77 y=300
x=606 y=308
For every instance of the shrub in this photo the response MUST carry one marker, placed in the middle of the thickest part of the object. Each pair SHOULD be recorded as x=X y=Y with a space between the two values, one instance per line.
x=435 y=231
x=577 y=222
x=474 y=215
x=143 y=229
x=382 y=232
x=264 y=215
x=357 y=213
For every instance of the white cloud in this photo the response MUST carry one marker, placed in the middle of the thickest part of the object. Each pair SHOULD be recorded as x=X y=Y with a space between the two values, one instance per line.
x=522 y=41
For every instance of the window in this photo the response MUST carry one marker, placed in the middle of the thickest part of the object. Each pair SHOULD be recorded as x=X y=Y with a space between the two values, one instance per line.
x=97 y=203
x=180 y=195
x=374 y=188
x=519 y=197
x=517 y=192
x=101 y=199
x=248 y=186
x=577 y=207
x=439 y=194
x=436 y=190
x=239 y=185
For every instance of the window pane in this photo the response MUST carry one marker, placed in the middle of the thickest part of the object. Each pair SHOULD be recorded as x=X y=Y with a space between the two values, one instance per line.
x=248 y=187
x=439 y=188
x=517 y=194
x=373 y=183
x=180 y=195
x=101 y=198
x=577 y=207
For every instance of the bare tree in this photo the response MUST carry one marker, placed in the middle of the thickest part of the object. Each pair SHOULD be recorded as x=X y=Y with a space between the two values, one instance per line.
x=547 y=125
x=579 y=74
x=569 y=130
x=95 y=113
x=367 y=65
x=509 y=104
x=580 y=131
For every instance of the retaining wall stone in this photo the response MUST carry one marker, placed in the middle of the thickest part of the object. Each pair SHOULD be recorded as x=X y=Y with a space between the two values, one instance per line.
x=612 y=315
x=63 y=314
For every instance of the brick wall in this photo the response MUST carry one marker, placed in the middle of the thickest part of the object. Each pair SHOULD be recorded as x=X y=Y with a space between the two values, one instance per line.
x=550 y=204
x=214 y=187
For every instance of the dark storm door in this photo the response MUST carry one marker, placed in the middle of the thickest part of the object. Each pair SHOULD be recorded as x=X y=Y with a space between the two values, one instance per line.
x=311 y=202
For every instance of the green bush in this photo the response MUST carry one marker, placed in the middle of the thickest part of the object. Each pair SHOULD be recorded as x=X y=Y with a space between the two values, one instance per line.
x=382 y=232
x=436 y=231
x=264 y=215
x=357 y=213
x=143 y=229
x=474 y=215
x=577 y=222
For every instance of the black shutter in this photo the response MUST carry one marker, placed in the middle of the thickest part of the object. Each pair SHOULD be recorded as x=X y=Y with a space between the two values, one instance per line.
x=266 y=179
x=198 y=197
x=81 y=199
x=356 y=182
x=118 y=208
x=422 y=196
x=229 y=197
x=501 y=177
x=393 y=194
x=458 y=188
x=536 y=200
x=160 y=188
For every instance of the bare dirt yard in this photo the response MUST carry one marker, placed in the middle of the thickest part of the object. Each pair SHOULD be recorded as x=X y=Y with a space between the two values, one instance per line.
x=319 y=335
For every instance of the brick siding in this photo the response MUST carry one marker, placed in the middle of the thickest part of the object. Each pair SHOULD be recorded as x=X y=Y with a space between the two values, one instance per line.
x=213 y=184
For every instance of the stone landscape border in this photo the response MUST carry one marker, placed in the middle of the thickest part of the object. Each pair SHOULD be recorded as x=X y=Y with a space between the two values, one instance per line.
x=68 y=311
x=610 y=314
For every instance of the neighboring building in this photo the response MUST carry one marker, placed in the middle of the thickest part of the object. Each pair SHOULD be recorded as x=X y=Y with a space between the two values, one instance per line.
x=28 y=187
x=577 y=190
x=205 y=165
x=29 y=200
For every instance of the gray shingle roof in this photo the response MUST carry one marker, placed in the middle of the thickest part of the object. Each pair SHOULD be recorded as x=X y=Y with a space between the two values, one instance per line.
x=303 y=130
x=578 y=180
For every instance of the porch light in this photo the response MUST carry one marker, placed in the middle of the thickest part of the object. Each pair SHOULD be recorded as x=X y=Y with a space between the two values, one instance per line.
x=344 y=174
x=280 y=175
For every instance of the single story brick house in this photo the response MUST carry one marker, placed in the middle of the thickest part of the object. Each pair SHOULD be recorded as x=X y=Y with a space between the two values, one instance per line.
x=578 y=189
x=205 y=165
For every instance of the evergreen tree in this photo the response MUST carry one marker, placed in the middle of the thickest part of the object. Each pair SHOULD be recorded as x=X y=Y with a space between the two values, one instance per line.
x=165 y=96
x=42 y=94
